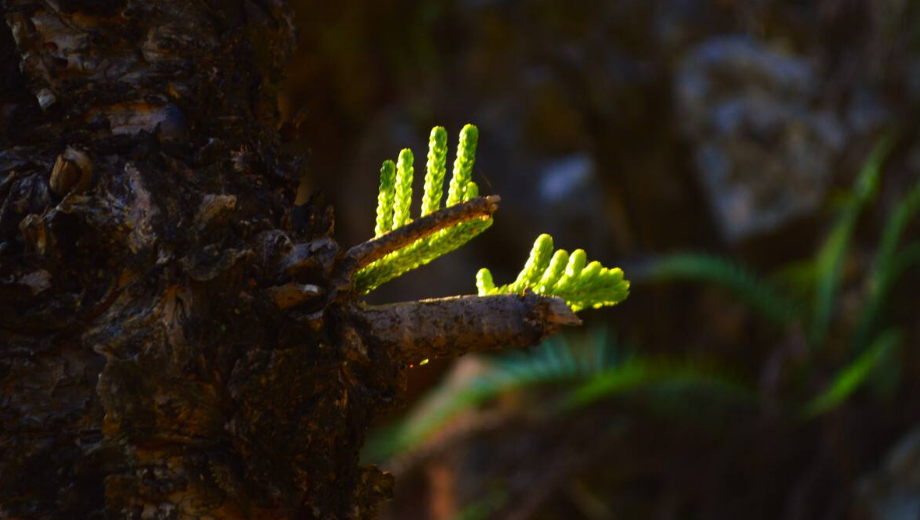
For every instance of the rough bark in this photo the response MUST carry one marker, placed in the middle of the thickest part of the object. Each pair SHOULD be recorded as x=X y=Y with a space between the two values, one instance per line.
x=176 y=339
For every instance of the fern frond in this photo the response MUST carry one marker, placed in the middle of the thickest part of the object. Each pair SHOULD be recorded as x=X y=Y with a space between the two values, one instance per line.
x=743 y=283
x=395 y=199
x=562 y=275
x=831 y=256
x=545 y=273
x=853 y=375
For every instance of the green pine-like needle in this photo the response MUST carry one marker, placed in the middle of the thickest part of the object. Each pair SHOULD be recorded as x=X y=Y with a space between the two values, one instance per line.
x=404 y=173
x=385 y=198
x=463 y=164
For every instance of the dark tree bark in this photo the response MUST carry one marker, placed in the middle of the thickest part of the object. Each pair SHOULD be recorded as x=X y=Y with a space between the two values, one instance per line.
x=176 y=341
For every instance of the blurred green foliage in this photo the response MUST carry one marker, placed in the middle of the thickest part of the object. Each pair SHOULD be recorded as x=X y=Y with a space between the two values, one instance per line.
x=581 y=371
x=871 y=341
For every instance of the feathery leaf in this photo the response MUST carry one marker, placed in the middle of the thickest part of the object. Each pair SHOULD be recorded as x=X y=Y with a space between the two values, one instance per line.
x=418 y=254
x=581 y=286
x=545 y=273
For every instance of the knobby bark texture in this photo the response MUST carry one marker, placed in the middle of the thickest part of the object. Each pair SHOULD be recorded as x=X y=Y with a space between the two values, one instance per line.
x=177 y=340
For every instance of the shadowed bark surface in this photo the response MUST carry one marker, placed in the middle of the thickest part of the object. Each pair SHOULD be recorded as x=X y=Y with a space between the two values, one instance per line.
x=175 y=340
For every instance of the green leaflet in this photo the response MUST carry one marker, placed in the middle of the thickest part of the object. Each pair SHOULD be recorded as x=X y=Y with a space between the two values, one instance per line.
x=437 y=169
x=463 y=164
x=418 y=254
x=404 y=173
x=582 y=285
x=385 y=198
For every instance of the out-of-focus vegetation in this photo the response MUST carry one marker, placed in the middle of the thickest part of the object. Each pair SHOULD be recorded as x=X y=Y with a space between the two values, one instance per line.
x=578 y=371
x=737 y=159
x=870 y=342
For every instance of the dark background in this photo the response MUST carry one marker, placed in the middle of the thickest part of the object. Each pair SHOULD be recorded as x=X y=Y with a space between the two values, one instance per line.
x=636 y=129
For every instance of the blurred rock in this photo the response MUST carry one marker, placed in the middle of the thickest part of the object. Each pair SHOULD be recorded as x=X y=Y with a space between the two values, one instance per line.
x=763 y=150
x=565 y=179
x=893 y=492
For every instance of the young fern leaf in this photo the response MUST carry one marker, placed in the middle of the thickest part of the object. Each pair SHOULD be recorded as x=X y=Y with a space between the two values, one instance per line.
x=565 y=276
x=391 y=255
x=463 y=164
x=395 y=199
x=405 y=170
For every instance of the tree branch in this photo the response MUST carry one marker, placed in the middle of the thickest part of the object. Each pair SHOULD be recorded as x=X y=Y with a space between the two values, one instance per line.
x=367 y=252
x=441 y=327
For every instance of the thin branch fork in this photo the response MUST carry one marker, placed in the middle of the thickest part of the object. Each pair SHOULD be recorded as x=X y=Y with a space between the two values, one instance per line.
x=368 y=252
x=444 y=327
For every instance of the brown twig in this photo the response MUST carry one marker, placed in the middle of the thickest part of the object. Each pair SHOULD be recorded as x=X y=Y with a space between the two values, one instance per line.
x=442 y=327
x=367 y=252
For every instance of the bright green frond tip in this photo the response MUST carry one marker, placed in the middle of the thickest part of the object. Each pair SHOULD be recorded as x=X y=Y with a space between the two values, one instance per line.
x=581 y=284
x=463 y=164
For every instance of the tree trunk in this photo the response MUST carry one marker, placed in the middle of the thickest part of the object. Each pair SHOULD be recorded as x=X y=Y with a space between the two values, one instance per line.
x=177 y=340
